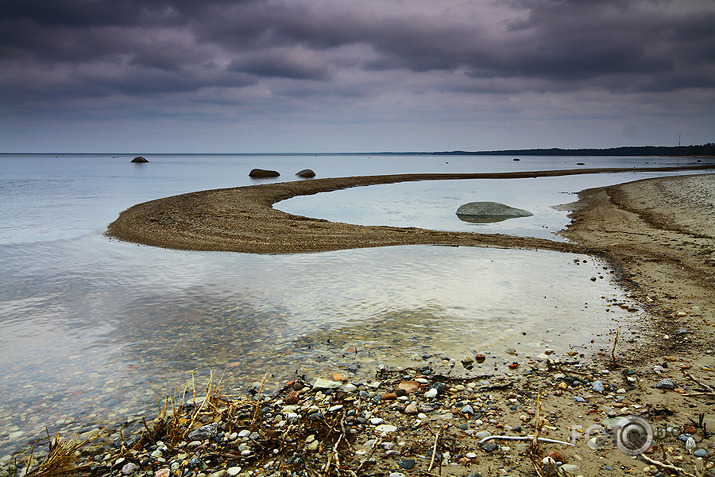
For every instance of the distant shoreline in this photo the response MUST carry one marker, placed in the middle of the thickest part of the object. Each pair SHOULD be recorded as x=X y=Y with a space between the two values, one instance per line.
x=704 y=151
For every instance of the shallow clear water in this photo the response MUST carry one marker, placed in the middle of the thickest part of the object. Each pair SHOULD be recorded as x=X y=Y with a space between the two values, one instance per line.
x=433 y=204
x=94 y=330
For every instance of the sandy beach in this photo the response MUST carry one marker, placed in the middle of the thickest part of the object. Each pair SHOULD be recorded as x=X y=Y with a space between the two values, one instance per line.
x=657 y=234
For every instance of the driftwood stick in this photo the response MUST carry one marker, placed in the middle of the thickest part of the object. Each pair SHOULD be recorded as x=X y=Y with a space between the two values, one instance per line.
x=434 y=450
x=663 y=465
x=258 y=403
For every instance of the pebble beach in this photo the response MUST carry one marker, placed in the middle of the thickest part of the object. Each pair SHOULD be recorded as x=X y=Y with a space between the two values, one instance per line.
x=451 y=415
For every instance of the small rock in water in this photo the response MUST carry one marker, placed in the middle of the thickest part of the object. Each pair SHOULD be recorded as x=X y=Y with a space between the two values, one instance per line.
x=306 y=173
x=665 y=384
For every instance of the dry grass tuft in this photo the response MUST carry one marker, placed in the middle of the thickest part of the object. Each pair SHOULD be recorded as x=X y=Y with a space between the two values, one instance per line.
x=61 y=458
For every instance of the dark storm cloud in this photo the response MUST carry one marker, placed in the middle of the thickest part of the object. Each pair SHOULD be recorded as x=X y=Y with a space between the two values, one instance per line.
x=133 y=47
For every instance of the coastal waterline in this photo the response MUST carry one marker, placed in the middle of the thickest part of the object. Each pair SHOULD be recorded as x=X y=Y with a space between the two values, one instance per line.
x=95 y=331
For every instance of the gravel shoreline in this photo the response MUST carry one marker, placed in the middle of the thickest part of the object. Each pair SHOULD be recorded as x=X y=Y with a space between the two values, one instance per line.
x=442 y=418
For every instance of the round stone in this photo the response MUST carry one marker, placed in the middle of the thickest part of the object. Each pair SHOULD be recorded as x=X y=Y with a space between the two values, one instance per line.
x=665 y=384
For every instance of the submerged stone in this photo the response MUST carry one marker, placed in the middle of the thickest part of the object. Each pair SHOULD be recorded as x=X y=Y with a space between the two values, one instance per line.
x=485 y=212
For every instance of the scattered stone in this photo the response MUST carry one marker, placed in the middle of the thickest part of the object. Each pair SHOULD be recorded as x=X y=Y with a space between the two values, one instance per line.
x=385 y=428
x=486 y=212
x=306 y=173
x=598 y=387
x=129 y=468
x=479 y=358
x=665 y=384
x=321 y=383
x=467 y=409
x=431 y=394
x=292 y=397
x=208 y=431
x=489 y=446
x=700 y=453
x=263 y=173
x=407 y=463
x=409 y=386
x=233 y=471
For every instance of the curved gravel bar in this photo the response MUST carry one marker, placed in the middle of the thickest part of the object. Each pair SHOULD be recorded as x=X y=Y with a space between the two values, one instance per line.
x=242 y=219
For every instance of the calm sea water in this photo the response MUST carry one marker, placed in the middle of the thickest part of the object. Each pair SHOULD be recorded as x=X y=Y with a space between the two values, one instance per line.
x=94 y=331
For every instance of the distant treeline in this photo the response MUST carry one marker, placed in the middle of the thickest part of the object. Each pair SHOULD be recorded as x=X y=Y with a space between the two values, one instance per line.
x=701 y=150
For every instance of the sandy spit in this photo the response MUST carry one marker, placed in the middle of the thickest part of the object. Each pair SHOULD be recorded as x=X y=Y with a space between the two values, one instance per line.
x=243 y=220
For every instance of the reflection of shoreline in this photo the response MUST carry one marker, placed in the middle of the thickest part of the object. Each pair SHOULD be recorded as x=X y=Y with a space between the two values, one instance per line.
x=243 y=220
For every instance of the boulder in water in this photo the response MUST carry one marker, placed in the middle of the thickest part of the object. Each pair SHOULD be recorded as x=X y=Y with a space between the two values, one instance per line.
x=485 y=212
x=263 y=173
x=306 y=173
x=139 y=160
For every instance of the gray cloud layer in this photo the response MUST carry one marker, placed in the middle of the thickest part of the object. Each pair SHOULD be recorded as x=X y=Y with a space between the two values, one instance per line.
x=276 y=54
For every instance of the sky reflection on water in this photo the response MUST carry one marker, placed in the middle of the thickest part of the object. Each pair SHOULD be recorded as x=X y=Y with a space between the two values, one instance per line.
x=96 y=331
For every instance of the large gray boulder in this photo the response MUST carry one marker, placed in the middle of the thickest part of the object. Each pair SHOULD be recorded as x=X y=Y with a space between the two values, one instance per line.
x=263 y=173
x=483 y=212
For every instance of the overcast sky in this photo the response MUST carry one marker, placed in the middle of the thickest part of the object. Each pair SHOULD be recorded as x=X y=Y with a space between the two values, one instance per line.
x=371 y=75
